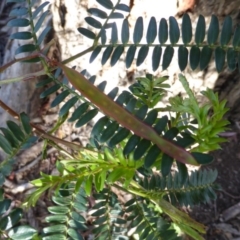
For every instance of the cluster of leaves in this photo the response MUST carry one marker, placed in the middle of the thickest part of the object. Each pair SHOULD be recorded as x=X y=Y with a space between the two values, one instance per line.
x=200 y=52
x=13 y=139
x=9 y=222
x=66 y=219
x=149 y=89
x=25 y=17
x=192 y=112
x=117 y=156
x=183 y=189
x=107 y=167
x=135 y=213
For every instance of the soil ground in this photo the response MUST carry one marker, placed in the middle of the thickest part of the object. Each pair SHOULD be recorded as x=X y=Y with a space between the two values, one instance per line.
x=222 y=217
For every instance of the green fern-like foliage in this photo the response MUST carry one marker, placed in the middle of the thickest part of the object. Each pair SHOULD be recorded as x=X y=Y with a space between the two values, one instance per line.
x=183 y=189
x=13 y=139
x=66 y=220
x=148 y=222
x=135 y=214
x=157 y=37
x=9 y=222
x=25 y=17
x=117 y=156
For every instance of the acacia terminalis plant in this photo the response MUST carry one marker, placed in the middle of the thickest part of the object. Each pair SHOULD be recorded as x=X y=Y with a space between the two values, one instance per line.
x=131 y=148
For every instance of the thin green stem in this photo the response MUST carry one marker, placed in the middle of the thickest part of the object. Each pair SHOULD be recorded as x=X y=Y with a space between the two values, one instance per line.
x=68 y=60
x=25 y=77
